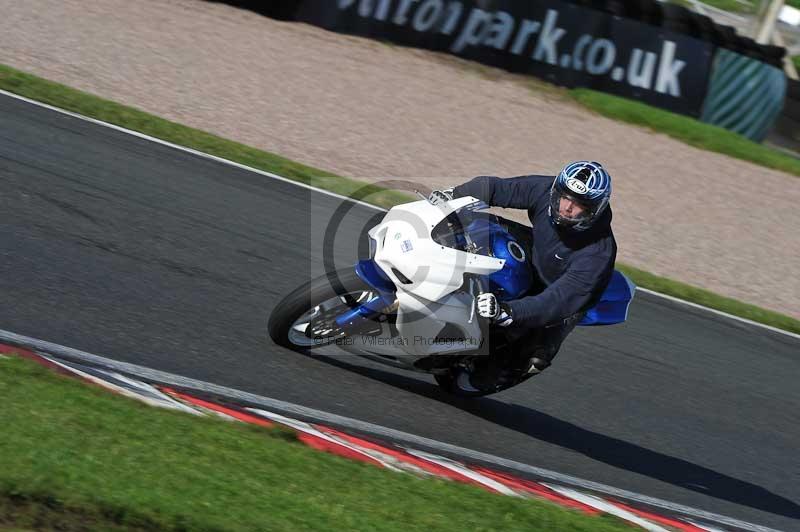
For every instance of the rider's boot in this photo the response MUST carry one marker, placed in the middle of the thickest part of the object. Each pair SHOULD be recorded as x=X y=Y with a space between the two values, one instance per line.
x=533 y=363
x=496 y=378
x=537 y=365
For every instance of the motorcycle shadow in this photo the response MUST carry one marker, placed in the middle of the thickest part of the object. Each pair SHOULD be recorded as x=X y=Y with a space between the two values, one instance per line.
x=600 y=447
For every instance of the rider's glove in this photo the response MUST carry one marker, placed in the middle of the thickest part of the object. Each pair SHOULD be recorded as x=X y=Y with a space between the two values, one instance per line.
x=438 y=197
x=489 y=307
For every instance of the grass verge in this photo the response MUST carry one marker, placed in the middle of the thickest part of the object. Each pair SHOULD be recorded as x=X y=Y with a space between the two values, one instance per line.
x=686 y=129
x=70 y=99
x=75 y=457
x=732 y=6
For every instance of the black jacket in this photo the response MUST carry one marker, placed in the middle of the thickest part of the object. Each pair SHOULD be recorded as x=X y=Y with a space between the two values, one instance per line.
x=575 y=266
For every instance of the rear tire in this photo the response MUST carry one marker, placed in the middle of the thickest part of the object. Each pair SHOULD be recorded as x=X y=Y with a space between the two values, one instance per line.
x=449 y=383
x=305 y=298
x=457 y=382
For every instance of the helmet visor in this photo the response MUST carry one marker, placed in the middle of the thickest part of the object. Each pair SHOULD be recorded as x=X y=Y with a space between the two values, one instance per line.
x=569 y=210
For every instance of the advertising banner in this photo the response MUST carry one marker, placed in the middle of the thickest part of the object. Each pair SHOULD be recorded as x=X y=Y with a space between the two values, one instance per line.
x=563 y=43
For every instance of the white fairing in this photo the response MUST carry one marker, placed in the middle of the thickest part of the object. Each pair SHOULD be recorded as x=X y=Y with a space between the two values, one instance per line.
x=403 y=243
x=420 y=321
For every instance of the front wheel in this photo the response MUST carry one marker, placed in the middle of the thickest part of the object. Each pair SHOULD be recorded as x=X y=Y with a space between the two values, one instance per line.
x=305 y=318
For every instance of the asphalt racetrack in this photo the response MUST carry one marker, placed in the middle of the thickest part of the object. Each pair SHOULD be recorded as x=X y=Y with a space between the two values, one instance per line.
x=142 y=253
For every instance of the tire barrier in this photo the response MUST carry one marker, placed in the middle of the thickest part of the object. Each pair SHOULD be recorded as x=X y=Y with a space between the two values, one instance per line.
x=660 y=54
x=679 y=19
x=786 y=132
x=744 y=95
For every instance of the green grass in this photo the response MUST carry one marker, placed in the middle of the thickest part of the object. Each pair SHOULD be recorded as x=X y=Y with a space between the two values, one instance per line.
x=74 y=456
x=726 y=5
x=686 y=129
x=681 y=127
x=731 y=5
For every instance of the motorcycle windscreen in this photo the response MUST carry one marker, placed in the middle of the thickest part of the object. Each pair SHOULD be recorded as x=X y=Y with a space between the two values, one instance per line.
x=614 y=303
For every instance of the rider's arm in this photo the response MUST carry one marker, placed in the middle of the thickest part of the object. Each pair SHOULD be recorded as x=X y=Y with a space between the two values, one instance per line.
x=569 y=294
x=514 y=192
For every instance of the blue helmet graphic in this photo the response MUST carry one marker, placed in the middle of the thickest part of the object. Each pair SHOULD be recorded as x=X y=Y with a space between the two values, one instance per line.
x=585 y=184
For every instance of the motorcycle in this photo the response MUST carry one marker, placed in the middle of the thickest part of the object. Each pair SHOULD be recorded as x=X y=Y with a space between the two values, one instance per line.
x=412 y=303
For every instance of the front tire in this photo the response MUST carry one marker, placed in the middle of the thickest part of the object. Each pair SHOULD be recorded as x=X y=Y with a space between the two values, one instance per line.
x=286 y=327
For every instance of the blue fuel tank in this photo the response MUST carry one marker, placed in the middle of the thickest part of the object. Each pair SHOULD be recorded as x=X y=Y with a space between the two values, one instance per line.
x=516 y=277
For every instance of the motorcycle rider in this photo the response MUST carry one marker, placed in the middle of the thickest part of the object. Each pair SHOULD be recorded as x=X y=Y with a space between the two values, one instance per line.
x=572 y=252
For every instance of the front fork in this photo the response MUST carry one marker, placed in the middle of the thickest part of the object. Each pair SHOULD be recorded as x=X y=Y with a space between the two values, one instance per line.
x=364 y=314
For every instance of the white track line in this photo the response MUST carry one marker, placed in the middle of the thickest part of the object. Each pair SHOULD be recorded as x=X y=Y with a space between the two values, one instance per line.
x=147 y=395
x=333 y=194
x=302 y=426
x=393 y=435
x=718 y=312
x=188 y=150
x=464 y=471
x=704 y=526
x=607 y=507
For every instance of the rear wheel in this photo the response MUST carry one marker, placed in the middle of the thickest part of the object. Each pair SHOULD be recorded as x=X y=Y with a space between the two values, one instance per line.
x=305 y=318
x=484 y=374
x=458 y=383
x=462 y=384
